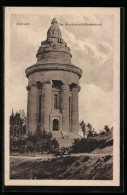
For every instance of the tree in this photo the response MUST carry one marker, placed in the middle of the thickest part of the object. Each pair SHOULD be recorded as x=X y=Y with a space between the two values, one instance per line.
x=24 y=119
x=82 y=125
x=89 y=126
x=43 y=141
x=102 y=132
x=106 y=128
x=94 y=132
x=90 y=131
x=86 y=145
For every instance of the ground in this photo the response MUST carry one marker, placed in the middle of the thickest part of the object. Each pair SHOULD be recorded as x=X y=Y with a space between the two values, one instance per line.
x=93 y=166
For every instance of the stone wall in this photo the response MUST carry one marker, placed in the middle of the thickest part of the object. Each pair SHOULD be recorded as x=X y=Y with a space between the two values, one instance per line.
x=53 y=64
x=43 y=76
x=53 y=56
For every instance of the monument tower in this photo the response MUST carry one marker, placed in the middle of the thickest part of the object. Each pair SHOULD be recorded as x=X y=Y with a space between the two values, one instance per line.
x=53 y=86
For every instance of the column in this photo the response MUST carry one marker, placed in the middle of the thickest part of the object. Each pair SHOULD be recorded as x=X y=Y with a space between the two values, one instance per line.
x=46 y=100
x=28 y=106
x=74 y=109
x=33 y=108
x=64 y=106
x=70 y=129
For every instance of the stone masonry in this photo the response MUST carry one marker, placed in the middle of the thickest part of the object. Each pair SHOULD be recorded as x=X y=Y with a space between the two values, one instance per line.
x=53 y=86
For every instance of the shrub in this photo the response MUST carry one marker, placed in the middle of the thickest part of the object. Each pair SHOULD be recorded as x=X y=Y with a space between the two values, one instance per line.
x=17 y=145
x=40 y=141
x=85 y=145
x=57 y=152
x=62 y=151
x=106 y=144
x=43 y=141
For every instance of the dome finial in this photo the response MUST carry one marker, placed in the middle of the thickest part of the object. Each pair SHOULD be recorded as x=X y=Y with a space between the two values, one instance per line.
x=54 y=21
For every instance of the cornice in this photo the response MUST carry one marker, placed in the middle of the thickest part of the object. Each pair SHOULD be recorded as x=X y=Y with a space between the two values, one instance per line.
x=50 y=49
x=53 y=66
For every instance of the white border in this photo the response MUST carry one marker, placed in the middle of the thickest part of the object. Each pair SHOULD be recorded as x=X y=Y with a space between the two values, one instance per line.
x=116 y=152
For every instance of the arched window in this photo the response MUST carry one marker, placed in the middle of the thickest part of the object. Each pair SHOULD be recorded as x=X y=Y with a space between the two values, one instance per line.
x=55 y=125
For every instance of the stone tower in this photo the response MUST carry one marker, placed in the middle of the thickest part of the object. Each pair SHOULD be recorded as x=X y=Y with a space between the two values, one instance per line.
x=53 y=86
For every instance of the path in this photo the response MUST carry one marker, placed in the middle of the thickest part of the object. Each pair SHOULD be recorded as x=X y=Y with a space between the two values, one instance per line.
x=46 y=157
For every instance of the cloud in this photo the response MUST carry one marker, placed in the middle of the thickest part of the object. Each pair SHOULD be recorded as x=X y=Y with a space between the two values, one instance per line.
x=96 y=106
x=92 y=51
x=95 y=58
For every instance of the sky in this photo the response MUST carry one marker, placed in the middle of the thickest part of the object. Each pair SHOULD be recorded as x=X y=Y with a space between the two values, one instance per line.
x=92 y=49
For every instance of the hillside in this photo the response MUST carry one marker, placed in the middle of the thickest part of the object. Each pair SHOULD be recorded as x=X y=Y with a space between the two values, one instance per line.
x=95 y=167
x=106 y=148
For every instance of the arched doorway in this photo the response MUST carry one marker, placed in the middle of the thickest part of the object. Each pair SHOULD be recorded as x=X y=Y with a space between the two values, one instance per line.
x=55 y=125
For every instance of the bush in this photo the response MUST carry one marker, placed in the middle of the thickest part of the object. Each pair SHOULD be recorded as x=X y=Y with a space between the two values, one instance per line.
x=85 y=145
x=106 y=144
x=57 y=152
x=62 y=151
x=18 y=145
x=40 y=141
x=43 y=141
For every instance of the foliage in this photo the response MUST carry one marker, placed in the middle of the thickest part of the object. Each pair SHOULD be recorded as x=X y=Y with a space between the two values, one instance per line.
x=92 y=133
x=102 y=132
x=40 y=141
x=43 y=141
x=107 y=143
x=62 y=151
x=85 y=145
x=82 y=125
x=88 y=129
x=106 y=128
x=89 y=126
x=18 y=145
x=21 y=117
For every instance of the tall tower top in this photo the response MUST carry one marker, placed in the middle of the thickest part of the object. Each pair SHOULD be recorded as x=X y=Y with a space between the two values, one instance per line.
x=54 y=30
x=54 y=49
x=53 y=54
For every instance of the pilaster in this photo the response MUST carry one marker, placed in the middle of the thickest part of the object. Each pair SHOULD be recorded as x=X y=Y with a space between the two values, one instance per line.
x=74 y=108
x=28 y=106
x=46 y=101
x=64 y=106
x=32 y=107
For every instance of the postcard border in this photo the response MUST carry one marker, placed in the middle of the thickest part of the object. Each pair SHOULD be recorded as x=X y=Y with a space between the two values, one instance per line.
x=75 y=188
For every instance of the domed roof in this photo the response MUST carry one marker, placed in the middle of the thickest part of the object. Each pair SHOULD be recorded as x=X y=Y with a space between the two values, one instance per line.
x=54 y=49
x=54 y=30
x=54 y=54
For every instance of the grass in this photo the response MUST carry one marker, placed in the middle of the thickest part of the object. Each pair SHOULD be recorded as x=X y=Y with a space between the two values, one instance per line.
x=67 y=167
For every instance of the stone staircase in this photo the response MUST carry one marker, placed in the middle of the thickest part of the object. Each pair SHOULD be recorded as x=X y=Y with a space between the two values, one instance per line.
x=65 y=139
x=57 y=134
x=65 y=142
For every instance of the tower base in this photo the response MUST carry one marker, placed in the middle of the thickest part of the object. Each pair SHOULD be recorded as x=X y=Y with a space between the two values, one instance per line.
x=66 y=140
